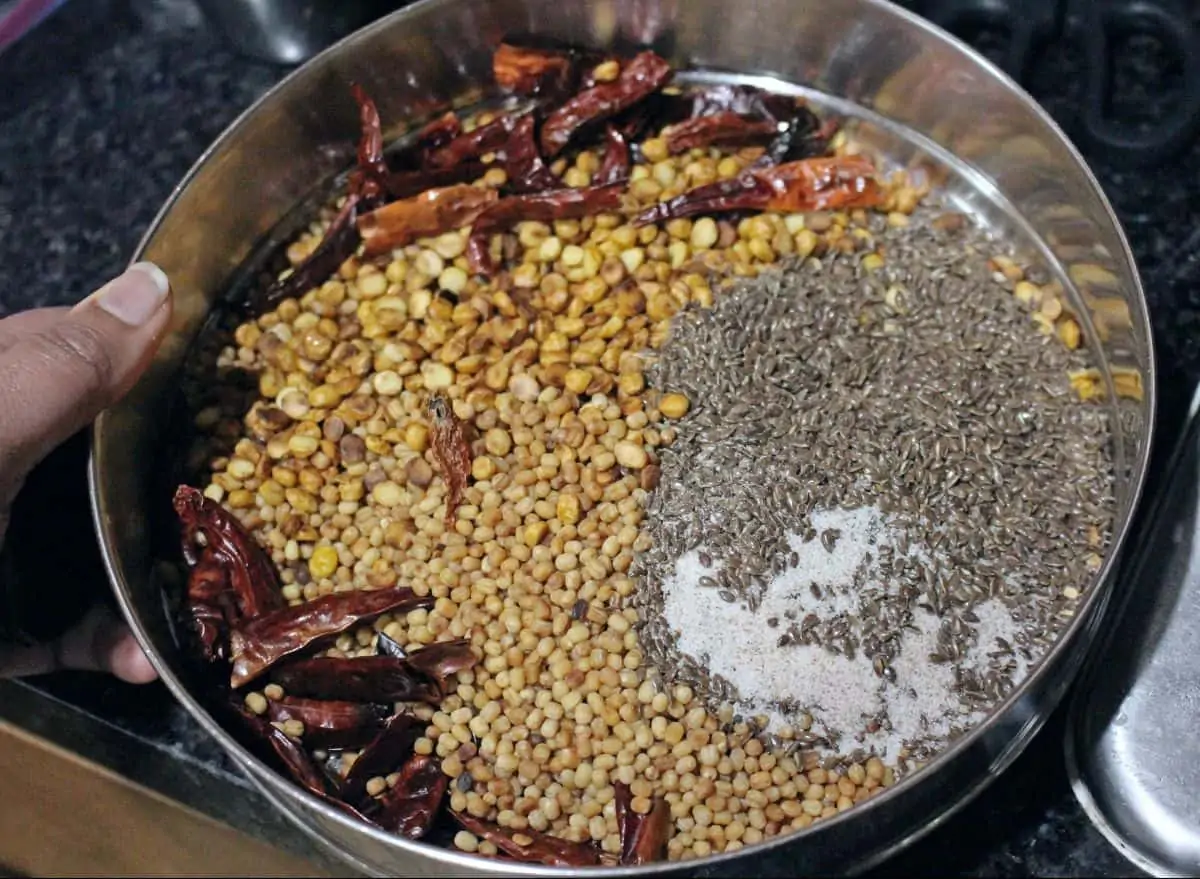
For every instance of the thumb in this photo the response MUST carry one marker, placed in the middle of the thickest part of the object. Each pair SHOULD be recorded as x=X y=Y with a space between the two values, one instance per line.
x=56 y=376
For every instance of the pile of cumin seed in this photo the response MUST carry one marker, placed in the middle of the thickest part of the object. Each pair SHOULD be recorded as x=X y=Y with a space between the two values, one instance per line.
x=884 y=503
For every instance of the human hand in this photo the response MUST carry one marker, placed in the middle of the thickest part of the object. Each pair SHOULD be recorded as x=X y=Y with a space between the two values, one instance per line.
x=59 y=368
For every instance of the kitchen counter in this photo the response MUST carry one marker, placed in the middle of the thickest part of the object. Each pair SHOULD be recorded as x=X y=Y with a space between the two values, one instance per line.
x=106 y=106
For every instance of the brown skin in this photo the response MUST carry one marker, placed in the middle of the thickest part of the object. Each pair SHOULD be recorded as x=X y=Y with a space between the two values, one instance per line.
x=59 y=368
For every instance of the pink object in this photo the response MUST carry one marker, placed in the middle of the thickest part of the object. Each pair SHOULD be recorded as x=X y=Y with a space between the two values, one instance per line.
x=23 y=17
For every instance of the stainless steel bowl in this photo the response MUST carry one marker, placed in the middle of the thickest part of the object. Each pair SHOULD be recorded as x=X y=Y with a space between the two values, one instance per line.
x=917 y=95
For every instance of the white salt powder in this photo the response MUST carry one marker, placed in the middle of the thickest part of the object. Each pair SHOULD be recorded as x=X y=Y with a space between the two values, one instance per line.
x=841 y=694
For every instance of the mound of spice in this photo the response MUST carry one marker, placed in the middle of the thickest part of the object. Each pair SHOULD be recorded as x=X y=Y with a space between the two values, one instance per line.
x=884 y=503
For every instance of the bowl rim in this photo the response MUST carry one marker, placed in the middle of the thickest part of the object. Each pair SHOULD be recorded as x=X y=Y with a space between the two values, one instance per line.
x=1090 y=613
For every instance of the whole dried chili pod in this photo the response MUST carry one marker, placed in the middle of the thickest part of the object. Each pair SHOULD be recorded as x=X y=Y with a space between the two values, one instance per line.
x=452 y=451
x=430 y=213
x=412 y=804
x=523 y=163
x=358 y=679
x=822 y=184
x=243 y=565
x=645 y=74
x=530 y=846
x=339 y=244
x=406 y=184
x=372 y=172
x=533 y=71
x=330 y=724
x=643 y=837
x=719 y=129
x=615 y=165
x=472 y=144
x=289 y=752
x=744 y=192
x=559 y=204
x=388 y=750
x=442 y=660
x=806 y=185
x=259 y=643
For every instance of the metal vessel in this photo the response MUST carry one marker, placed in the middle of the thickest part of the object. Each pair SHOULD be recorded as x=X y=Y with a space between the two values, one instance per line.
x=914 y=93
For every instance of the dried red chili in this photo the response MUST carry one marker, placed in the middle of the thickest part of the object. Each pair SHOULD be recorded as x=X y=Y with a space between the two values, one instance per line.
x=472 y=144
x=452 y=451
x=330 y=724
x=259 y=643
x=388 y=750
x=719 y=129
x=430 y=213
x=358 y=679
x=289 y=752
x=643 y=837
x=412 y=804
x=370 y=178
x=530 y=846
x=523 y=163
x=339 y=244
x=435 y=134
x=532 y=71
x=805 y=185
x=406 y=184
x=645 y=74
x=442 y=660
x=822 y=184
x=615 y=165
x=230 y=556
x=560 y=204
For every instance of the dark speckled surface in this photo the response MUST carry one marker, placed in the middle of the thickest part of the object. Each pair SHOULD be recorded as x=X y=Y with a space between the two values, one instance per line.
x=102 y=111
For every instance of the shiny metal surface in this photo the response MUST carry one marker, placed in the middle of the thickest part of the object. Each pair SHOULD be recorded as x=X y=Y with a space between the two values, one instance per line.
x=1130 y=738
x=290 y=31
x=918 y=95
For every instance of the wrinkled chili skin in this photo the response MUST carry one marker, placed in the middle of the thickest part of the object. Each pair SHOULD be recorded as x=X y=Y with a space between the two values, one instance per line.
x=545 y=207
x=643 y=837
x=744 y=192
x=289 y=752
x=442 y=660
x=431 y=213
x=543 y=849
x=472 y=144
x=358 y=679
x=330 y=724
x=804 y=185
x=820 y=184
x=406 y=184
x=452 y=451
x=615 y=165
x=243 y=565
x=388 y=750
x=523 y=163
x=339 y=244
x=259 y=643
x=645 y=74
x=412 y=804
x=719 y=129
x=372 y=169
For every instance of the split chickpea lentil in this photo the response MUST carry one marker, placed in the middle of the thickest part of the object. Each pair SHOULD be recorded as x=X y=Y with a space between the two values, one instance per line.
x=334 y=475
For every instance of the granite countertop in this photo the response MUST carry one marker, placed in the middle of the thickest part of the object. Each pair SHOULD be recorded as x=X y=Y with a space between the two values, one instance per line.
x=105 y=107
